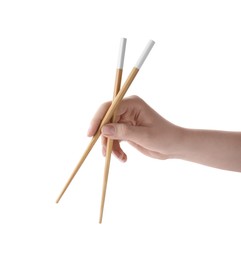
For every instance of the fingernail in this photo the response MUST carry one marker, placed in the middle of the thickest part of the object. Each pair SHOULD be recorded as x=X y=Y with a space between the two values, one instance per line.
x=108 y=130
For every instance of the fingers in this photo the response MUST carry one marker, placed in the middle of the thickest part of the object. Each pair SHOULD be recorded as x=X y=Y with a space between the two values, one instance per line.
x=118 y=152
x=132 y=103
x=129 y=107
x=96 y=120
x=116 y=149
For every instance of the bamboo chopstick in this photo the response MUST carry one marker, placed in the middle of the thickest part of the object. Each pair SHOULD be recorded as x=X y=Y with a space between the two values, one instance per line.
x=109 y=141
x=109 y=113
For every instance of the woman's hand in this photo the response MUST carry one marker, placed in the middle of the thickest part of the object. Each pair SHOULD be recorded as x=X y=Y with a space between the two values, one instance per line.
x=139 y=125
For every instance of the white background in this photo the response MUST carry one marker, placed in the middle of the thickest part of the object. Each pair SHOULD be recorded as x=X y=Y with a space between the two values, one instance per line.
x=57 y=65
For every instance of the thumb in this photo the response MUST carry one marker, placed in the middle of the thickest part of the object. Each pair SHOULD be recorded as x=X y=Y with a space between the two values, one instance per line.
x=124 y=132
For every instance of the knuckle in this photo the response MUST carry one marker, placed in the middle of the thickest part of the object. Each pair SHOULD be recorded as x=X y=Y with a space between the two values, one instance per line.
x=123 y=132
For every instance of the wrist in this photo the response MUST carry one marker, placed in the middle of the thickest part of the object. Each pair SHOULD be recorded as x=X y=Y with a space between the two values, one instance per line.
x=177 y=145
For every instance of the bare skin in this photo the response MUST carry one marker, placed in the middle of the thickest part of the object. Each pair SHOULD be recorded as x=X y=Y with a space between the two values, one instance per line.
x=154 y=136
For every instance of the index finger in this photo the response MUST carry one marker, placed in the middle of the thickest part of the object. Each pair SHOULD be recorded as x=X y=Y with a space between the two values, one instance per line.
x=96 y=120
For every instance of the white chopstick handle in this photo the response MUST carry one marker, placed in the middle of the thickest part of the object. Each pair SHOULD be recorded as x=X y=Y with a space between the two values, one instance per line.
x=120 y=61
x=144 y=54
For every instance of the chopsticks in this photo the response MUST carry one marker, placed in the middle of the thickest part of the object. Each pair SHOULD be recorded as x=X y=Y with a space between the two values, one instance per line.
x=109 y=114
x=109 y=141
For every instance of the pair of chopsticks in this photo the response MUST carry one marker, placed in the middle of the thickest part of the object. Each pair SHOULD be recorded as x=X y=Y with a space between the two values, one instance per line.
x=109 y=116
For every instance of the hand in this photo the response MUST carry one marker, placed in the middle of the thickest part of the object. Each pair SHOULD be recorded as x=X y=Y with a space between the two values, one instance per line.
x=139 y=125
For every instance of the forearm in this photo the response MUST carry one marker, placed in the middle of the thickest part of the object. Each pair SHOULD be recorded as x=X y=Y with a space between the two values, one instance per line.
x=217 y=149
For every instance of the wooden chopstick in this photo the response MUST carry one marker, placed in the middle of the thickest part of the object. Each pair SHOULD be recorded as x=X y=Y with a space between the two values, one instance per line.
x=109 y=113
x=109 y=145
x=104 y=121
